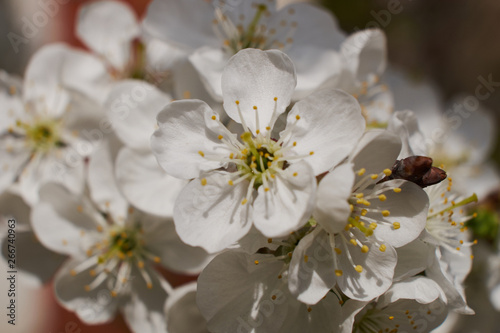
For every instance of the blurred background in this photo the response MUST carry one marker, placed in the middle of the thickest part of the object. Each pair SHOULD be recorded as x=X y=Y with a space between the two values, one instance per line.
x=449 y=42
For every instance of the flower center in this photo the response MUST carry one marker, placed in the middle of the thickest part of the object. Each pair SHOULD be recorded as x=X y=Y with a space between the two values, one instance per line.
x=261 y=158
x=43 y=135
x=256 y=34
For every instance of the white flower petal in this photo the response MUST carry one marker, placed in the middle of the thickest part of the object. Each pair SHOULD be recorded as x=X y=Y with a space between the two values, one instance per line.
x=322 y=317
x=413 y=258
x=13 y=157
x=311 y=273
x=378 y=268
x=405 y=125
x=212 y=216
x=329 y=125
x=289 y=202
x=210 y=63
x=132 y=109
x=421 y=289
x=253 y=241
x=161 y=239
x=143 y=310
x=107 y=28
x=409 y=208
x=240 y=299
x=59 y=218
x=185 y=132
x=102 y=184
x=43 y=80
x=376 y=151
x=255 y=78
x=365 y=53
x=92 y=307
x=332 y=209
x=183 y=315
x=165 y=18
x=145 y=184
x=11 y=101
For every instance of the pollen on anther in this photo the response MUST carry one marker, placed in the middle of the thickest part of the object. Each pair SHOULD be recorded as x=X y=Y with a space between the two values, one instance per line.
x=311 y=153
x=391 y=317
x=338 y=251
x=214 y=117
x=382 y=248
x=220 y=137
x=387 y=172
x=256 y=262
x=268 y=128
x=306 y=258
x=244 y=201
x=365 y=249
x=275 y=99
x=255 y=107
x=202 y=154
x=72 y=272
x=297 y=117
x=87 y=287
x=374 y=176
x=295 y=174
x=397 y=189
x=396 y=225
x=273 y=297
x=382 y=197
x=386 y=213
x=237 y=102
x=361 y=172
x=266 y=189
x=359 y=268
x=140 y=264
x=269 y=240
x=338 y=272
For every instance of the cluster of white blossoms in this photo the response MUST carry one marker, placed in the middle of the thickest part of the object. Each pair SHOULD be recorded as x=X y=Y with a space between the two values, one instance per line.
x=253 y=145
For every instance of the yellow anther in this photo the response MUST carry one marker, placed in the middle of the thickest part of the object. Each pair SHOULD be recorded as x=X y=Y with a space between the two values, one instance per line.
x=79 y=209
x=397 y=189
x=203 y=181
x=266 y=189
x=396 y=225
x=359 y=195
x=382 y=248
x=374 y=176
x=387 y=172
x=231 y=155
x=364 y=212
x=365 y=249
x=458 y=249
x=353 y=241
x=351 y=207
x=256 y=262
x=311 y=153
x=268 y=128
x=474 y=242
x=257 y=131
x=386 y=213
x=269 y=240
x=87 y=287
x=275 y=99
x=309 y=309
x=373 y=225
x=391 y=317
x=244 y=201
x=297 y=117
x=338 y=272
x=220 y=137
x=294 y=143
x=230 y=182
x=201 y=153
x=214 y=117
x=269 y=164
x=306 y=258
x=149 y=285
x=461 y=241
x=237 y=102
x=255 y=107
x=382 y=197
x=358 y=268
x=72 y=272
x=361 y=172
x=273 y=297
x=253 y=158
x=157 y=259
x=114 y=293
x=253 y=166
x=338 y=251
x=140 y=264
x=294 y=174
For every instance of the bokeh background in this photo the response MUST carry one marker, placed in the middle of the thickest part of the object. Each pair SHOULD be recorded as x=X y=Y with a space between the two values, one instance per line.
x=449 y=42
